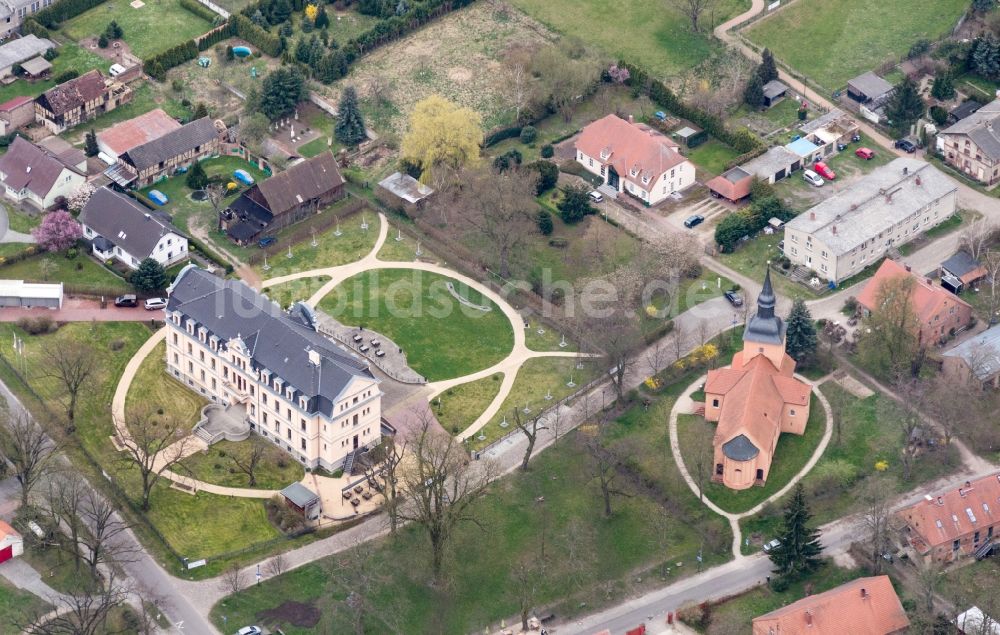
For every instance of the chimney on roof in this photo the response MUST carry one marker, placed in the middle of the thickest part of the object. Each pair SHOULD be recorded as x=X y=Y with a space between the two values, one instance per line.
x=631 y=119
x=812 y=215
x=864 y=593
x=940 y=500
x=968 y=485
x=907 y=267
x=809 y=618
x=313 y=357
x=929 y=281
x=834 y=230
x=906 y=169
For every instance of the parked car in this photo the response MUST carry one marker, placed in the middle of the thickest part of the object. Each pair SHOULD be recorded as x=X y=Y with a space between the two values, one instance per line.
x=905 y=145
x=596 y=197
x=266 y=240
x=697 y=219
x=865 y=153
x=153 y=304
x=249 y=630
x=812 y=178
x=824 y=171
x=126 y=300
x=771 y=546
x=734 y=298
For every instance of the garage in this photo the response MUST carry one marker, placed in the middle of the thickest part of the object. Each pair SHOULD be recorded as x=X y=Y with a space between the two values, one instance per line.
x=18 y=293
x=11 y=543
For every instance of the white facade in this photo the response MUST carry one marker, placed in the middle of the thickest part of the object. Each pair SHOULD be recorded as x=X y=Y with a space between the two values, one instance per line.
x=65 y=185
x=652 y=189
x=224 y=372
x=170 y=249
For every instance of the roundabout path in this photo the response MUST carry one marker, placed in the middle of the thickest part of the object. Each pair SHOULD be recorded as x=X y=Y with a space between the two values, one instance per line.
x=683 y=406
x=508 y=366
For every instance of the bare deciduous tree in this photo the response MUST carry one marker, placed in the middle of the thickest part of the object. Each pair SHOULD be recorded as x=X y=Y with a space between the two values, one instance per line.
x=156 y=444
x=81 y=612
x=875 y=520
x=693 y=10
x=276 y=565
x=359 y=576
x=104 y=541
x=603 y=465
x=991 y=262
x=530 y=428
x=701 y=467
x=440 y=485
x=888 y=340
x=525 y=577
x=248 y=464
x=232 y=580
x=906 y=415
x=497 y=208
x=383 y=474
x=30 y=451
x=977 y=237
x=63 y=501
x=72 y=363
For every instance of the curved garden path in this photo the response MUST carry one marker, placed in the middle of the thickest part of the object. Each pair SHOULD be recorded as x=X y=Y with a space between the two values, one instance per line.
x=683 y=405
x=509 y=366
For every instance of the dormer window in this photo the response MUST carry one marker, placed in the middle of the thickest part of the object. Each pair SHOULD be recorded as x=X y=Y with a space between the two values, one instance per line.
x=634 y=171
x=645 y=180
x=605 y=153
x=303 y=403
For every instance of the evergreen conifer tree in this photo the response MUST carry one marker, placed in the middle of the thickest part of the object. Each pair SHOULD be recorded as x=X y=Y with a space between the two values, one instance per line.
x=767 y=70
x=90 y=144
x=905 y=106
x=800 y=336
x=196 y=177
x=799 y=551
x=350 y=129
x=754 y=93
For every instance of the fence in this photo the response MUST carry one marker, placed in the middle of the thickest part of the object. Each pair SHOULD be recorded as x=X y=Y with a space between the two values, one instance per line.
x=318 y=223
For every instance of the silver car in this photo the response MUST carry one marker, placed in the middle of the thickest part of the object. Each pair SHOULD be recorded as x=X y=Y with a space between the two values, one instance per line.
x=812 y=178
x=153 y=304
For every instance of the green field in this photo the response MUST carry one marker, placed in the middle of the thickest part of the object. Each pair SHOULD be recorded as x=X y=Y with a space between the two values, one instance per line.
x=652 y=34
x=151 y=29
x=71 y=58
x=440 y=337
x=457 y=408
x=330 y=250
x=832 y=42
x=19 y=606
x=153 y=388
x=712 y=156
x=302 y=289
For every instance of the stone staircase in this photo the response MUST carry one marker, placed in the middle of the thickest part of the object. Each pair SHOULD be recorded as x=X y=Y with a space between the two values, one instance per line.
x=707 y=207
x=204 y=435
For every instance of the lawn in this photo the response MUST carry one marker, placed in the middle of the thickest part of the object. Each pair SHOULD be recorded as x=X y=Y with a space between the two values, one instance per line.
x=330 y=250
x=71 y=58
x=553 y=509
x=653 y=35
x=751 y=258
x=549 y=340
x=784 y=114
x=868 y=435
x=21 y=221
x=201 y=525
x=733 y=616
x=457 y=408
x=81 y=273
x=537 y=378
x=217 y=465
x=974 y=584
x=850 y=37
x=10 y=249
x=149 y=30
x=302 y=289
x=440 y=337
x=712 y=156
x=56 y=567
x=404 y=250
x=17 y=606
x=154 y=388
x=790 y=455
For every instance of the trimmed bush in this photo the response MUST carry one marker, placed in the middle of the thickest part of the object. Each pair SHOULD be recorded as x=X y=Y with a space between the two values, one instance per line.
x=547 y=151
x=528 y=135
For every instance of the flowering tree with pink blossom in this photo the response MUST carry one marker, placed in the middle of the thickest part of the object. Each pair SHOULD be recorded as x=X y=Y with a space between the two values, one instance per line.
x=58 y=231
x=618 y=74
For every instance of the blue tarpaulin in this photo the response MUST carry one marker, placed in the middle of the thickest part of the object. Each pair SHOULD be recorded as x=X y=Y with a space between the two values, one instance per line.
x=243 y=177
x=158 y=197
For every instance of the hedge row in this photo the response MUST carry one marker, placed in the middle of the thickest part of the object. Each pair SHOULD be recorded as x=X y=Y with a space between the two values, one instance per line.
x=268 y=43
x=52 y=15
x=740 y=140
x=158 y=65
x=216 y=35
x=199 y=10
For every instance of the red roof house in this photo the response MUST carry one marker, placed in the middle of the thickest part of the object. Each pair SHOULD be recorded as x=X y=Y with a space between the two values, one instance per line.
x=939 y=312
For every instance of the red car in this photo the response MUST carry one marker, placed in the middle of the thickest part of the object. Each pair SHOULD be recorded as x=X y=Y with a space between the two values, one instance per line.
x=865 y=153
x=824 y=171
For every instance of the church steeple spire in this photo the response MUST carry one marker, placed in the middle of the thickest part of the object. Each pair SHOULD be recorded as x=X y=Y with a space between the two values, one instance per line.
x=766 y=299
x=765 y=327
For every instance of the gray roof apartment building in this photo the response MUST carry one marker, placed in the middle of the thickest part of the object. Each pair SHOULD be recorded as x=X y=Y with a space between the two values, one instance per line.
x=856 y=227
x=299 y=389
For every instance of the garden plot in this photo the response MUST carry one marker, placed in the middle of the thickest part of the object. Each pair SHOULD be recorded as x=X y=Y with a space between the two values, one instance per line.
x=457 y=56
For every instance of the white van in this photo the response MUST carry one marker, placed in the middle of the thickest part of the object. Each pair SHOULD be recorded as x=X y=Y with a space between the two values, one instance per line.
x=116 y=70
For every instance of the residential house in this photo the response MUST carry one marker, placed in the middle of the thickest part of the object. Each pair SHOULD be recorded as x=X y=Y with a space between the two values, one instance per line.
x=79 y=100
x=774 y=91
x=11 y=543
x=774 y=165
x=976 y=359
x=634 y=158
x=16 y=113
x=21 y=50
x=35 y=175
x=974 y=622
x=732 y=185
x=960 y=271
x=120 y=138
x=962 y=521
x=300 y=390
x=119 y=227
x=857 y=226
x=939 y=312
x=13 y=13
x=156 y=159
x=972 y=145
x=755 y=399
x=865 y=606
x=403 y=192
x=286 y=198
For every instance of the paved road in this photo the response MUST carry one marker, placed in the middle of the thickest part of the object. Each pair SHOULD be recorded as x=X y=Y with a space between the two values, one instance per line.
x=144 y=571
x=83 y=310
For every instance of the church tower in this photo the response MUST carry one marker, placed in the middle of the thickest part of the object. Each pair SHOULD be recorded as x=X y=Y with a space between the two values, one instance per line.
x=765 y=333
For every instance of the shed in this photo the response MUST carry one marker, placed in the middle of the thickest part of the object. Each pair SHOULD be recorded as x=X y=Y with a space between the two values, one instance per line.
x=36 y=66
x=963 y=110
x=11 y=543
x=686 y=134
x=960 y=270
x=18 y=293
x=774 y=165
x=402 y=191
x=805 y=150
x=774 y=91
x=868 y=87
x=732 y=185
x=16 y=113
x=303 y=499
